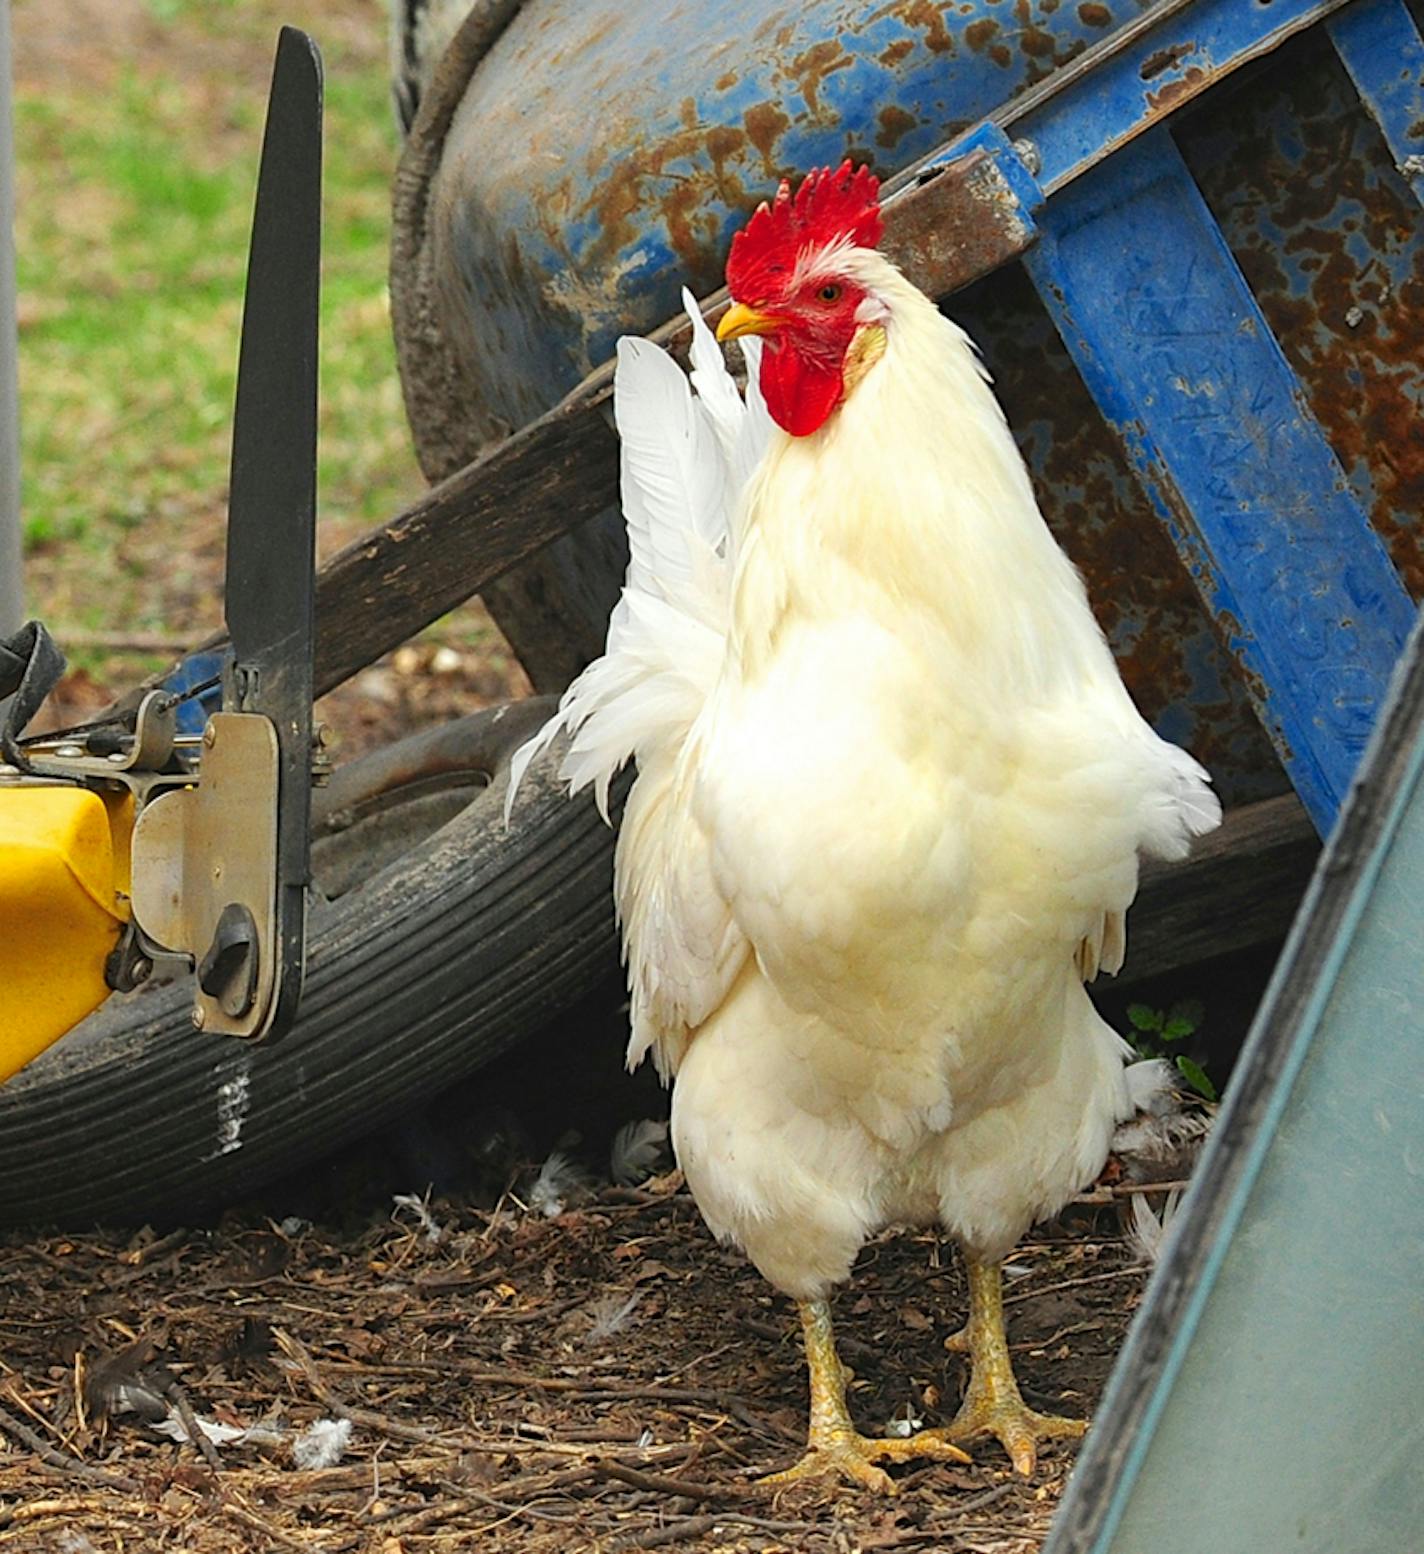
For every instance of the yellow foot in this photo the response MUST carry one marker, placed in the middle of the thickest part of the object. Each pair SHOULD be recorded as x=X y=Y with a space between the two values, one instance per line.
x=1013 y=1423
x=992 y=1404
x=843 y=1453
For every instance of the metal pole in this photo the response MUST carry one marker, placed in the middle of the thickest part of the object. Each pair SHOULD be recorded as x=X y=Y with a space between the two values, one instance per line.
x=12 y=605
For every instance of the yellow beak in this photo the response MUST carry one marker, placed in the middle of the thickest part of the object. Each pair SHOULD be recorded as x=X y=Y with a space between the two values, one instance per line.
x=739 y=319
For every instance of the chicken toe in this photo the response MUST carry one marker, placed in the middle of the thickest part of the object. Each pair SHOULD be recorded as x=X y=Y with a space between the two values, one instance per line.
x=835 y=1449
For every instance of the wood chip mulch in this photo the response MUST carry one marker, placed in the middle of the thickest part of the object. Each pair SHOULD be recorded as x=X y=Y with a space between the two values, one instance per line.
x=606 y=1380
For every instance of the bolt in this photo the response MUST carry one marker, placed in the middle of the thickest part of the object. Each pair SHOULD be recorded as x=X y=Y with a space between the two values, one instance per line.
x=210 y=736
x=1027 y=153
x=198 y=1017
x=118 y=757
x=142 y=970
x=68 y=752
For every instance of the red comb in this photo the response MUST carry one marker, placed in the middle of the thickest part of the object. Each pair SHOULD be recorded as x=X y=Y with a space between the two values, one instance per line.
x=828 y=205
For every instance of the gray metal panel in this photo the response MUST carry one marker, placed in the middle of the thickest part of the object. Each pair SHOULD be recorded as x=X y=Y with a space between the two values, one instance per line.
x=1269 y=1396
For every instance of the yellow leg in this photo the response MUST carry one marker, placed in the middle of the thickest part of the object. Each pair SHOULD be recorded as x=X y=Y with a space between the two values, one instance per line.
x=835 y=1448
x=992 y=1403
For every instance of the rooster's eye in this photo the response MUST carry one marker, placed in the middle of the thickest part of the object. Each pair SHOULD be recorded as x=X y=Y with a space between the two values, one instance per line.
x=831 y=293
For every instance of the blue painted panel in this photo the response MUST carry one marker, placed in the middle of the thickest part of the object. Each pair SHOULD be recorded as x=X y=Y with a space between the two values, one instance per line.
x=1380 y=46
x=1169 y=339
x=1144 y=82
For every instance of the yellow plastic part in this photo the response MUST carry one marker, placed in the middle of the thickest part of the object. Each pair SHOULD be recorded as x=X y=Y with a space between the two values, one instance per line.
x=64 y=863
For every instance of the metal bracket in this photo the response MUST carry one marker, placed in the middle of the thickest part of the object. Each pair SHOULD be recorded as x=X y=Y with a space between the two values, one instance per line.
x=205 y=867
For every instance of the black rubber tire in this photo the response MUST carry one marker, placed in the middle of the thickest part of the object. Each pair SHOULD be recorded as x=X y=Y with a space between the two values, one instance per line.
x=470 y=940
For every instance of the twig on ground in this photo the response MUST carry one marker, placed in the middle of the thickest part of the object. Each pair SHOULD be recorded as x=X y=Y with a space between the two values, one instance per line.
x=62 y=1460
x=239 y=1511
x=189 y=1420
x=961 y=1508
x=38 y=1510
x=1131 y=1271
x=657 y=1483
x=695 y=1526
x=1101 y=1195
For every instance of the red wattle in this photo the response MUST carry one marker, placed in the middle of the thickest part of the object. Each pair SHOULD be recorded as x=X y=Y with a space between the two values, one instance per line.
x=799 y=394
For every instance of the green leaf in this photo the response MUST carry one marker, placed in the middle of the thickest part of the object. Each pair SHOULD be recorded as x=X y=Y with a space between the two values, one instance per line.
x=1195 y=1076
x=1176 y=1028
x=1143 y=1018
x=1192 y=1009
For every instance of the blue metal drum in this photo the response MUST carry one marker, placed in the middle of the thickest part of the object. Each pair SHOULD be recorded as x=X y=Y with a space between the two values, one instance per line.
x=605 y=151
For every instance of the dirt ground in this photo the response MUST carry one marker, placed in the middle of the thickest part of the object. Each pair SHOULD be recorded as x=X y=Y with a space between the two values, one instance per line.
x=609 y=1379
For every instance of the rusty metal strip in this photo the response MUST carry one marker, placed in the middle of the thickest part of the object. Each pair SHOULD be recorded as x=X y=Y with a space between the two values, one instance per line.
x=1159 y=73
x=1134 y=78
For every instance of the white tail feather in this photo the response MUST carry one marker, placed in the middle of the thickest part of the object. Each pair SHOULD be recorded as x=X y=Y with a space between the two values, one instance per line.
x=684 y=462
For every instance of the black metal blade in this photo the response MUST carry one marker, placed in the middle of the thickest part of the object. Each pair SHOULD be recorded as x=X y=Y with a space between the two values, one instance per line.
x=272 y=505
x=271 y=534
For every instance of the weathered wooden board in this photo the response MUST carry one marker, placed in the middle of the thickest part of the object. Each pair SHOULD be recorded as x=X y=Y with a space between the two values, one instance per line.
x=1239 y=890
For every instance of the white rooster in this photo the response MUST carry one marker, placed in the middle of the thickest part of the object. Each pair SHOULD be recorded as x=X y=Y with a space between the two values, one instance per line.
x=890 y=799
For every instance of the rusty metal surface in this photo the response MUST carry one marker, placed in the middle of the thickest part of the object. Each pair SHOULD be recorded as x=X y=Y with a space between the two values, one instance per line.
x=1328 y=235
x=962 y=224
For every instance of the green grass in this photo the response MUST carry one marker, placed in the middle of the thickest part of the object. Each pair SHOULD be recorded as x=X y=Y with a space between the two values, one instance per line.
x=135 y=176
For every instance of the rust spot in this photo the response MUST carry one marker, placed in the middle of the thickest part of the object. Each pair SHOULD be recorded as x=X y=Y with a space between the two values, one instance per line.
x=1001 y=56
x=1164 y=59
x=895 y=52
x=640 y=191
x=766 y=124
x=688 y=113
x=1416 y=130
x=1174 y=93
x=978 y=34
x=811 y=67
x=895 y=123
x=1091 y=14
x=1036 y=42
x=725 y=83
x=929 y=19
x=724 y=141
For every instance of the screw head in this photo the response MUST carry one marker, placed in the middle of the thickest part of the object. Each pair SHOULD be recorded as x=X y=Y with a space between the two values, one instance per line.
x=68 y=752
x=199 y=1017
x=142 y=970
x=210 y=736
